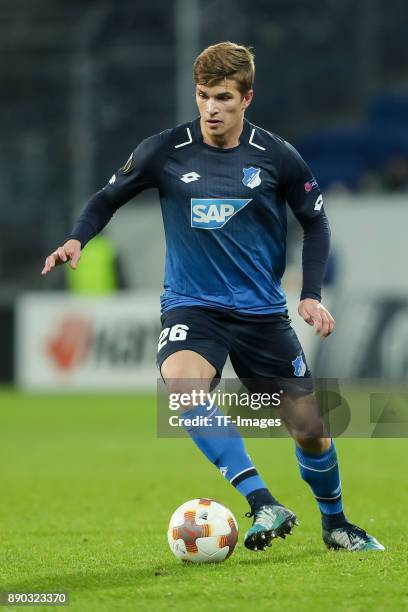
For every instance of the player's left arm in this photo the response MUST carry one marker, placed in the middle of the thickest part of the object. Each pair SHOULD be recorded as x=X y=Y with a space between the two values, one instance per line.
x=303 y=195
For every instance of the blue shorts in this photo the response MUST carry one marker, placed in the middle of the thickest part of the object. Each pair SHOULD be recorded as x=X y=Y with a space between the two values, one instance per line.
x=262 y=348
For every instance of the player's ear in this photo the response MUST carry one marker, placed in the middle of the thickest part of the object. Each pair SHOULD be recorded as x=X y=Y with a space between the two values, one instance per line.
x=247 y=99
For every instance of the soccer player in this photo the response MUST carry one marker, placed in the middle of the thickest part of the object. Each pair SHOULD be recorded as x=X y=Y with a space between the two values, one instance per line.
x=224 y=184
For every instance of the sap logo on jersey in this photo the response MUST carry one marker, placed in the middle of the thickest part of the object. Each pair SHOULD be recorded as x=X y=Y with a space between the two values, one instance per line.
x=214 y=213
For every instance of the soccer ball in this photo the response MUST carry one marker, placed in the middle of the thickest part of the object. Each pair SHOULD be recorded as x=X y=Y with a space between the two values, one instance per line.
x=202 y=531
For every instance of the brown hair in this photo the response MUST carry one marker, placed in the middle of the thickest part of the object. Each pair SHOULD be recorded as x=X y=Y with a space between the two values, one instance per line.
x=226 y=60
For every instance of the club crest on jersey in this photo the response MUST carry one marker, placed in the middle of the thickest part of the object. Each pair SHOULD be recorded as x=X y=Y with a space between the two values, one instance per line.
x=299 y=366
x=251 y=177
x=214 y=213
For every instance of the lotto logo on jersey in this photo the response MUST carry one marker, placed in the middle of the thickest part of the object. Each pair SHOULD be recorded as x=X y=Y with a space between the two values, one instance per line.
x=214 y=213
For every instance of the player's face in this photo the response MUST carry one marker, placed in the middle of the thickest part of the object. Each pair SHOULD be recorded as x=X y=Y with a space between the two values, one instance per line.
x=221 y=108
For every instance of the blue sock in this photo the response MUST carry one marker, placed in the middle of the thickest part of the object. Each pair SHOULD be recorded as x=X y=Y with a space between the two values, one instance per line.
x=224 y=447
x=321 y=472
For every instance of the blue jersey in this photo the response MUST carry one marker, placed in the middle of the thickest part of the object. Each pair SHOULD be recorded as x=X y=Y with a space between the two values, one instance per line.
x=224 y=214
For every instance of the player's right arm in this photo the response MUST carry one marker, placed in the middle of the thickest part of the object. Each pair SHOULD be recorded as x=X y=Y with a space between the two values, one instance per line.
x=139 y=173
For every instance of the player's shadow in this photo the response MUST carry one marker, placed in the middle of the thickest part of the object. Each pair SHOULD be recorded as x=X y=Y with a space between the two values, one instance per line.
x=268 y=557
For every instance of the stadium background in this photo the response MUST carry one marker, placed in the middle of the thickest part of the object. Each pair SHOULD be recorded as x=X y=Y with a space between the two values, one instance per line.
x=81 y=84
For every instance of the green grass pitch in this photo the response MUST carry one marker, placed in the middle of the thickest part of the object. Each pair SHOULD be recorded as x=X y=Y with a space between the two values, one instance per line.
x=87 y=490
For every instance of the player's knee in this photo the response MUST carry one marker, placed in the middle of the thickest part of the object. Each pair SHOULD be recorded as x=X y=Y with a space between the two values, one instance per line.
x=180 y=386
x=313 y=445
x=187 y=366
x=187 y=378
x=187 y=393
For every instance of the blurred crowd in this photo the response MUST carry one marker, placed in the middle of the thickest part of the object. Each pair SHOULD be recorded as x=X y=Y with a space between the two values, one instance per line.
x=369 y=157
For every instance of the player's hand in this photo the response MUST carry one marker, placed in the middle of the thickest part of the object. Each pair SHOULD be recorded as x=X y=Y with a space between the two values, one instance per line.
x=316 y=314
x=70 y=251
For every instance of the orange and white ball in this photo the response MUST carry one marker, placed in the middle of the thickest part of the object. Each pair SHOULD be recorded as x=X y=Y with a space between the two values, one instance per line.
x=202 y=531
